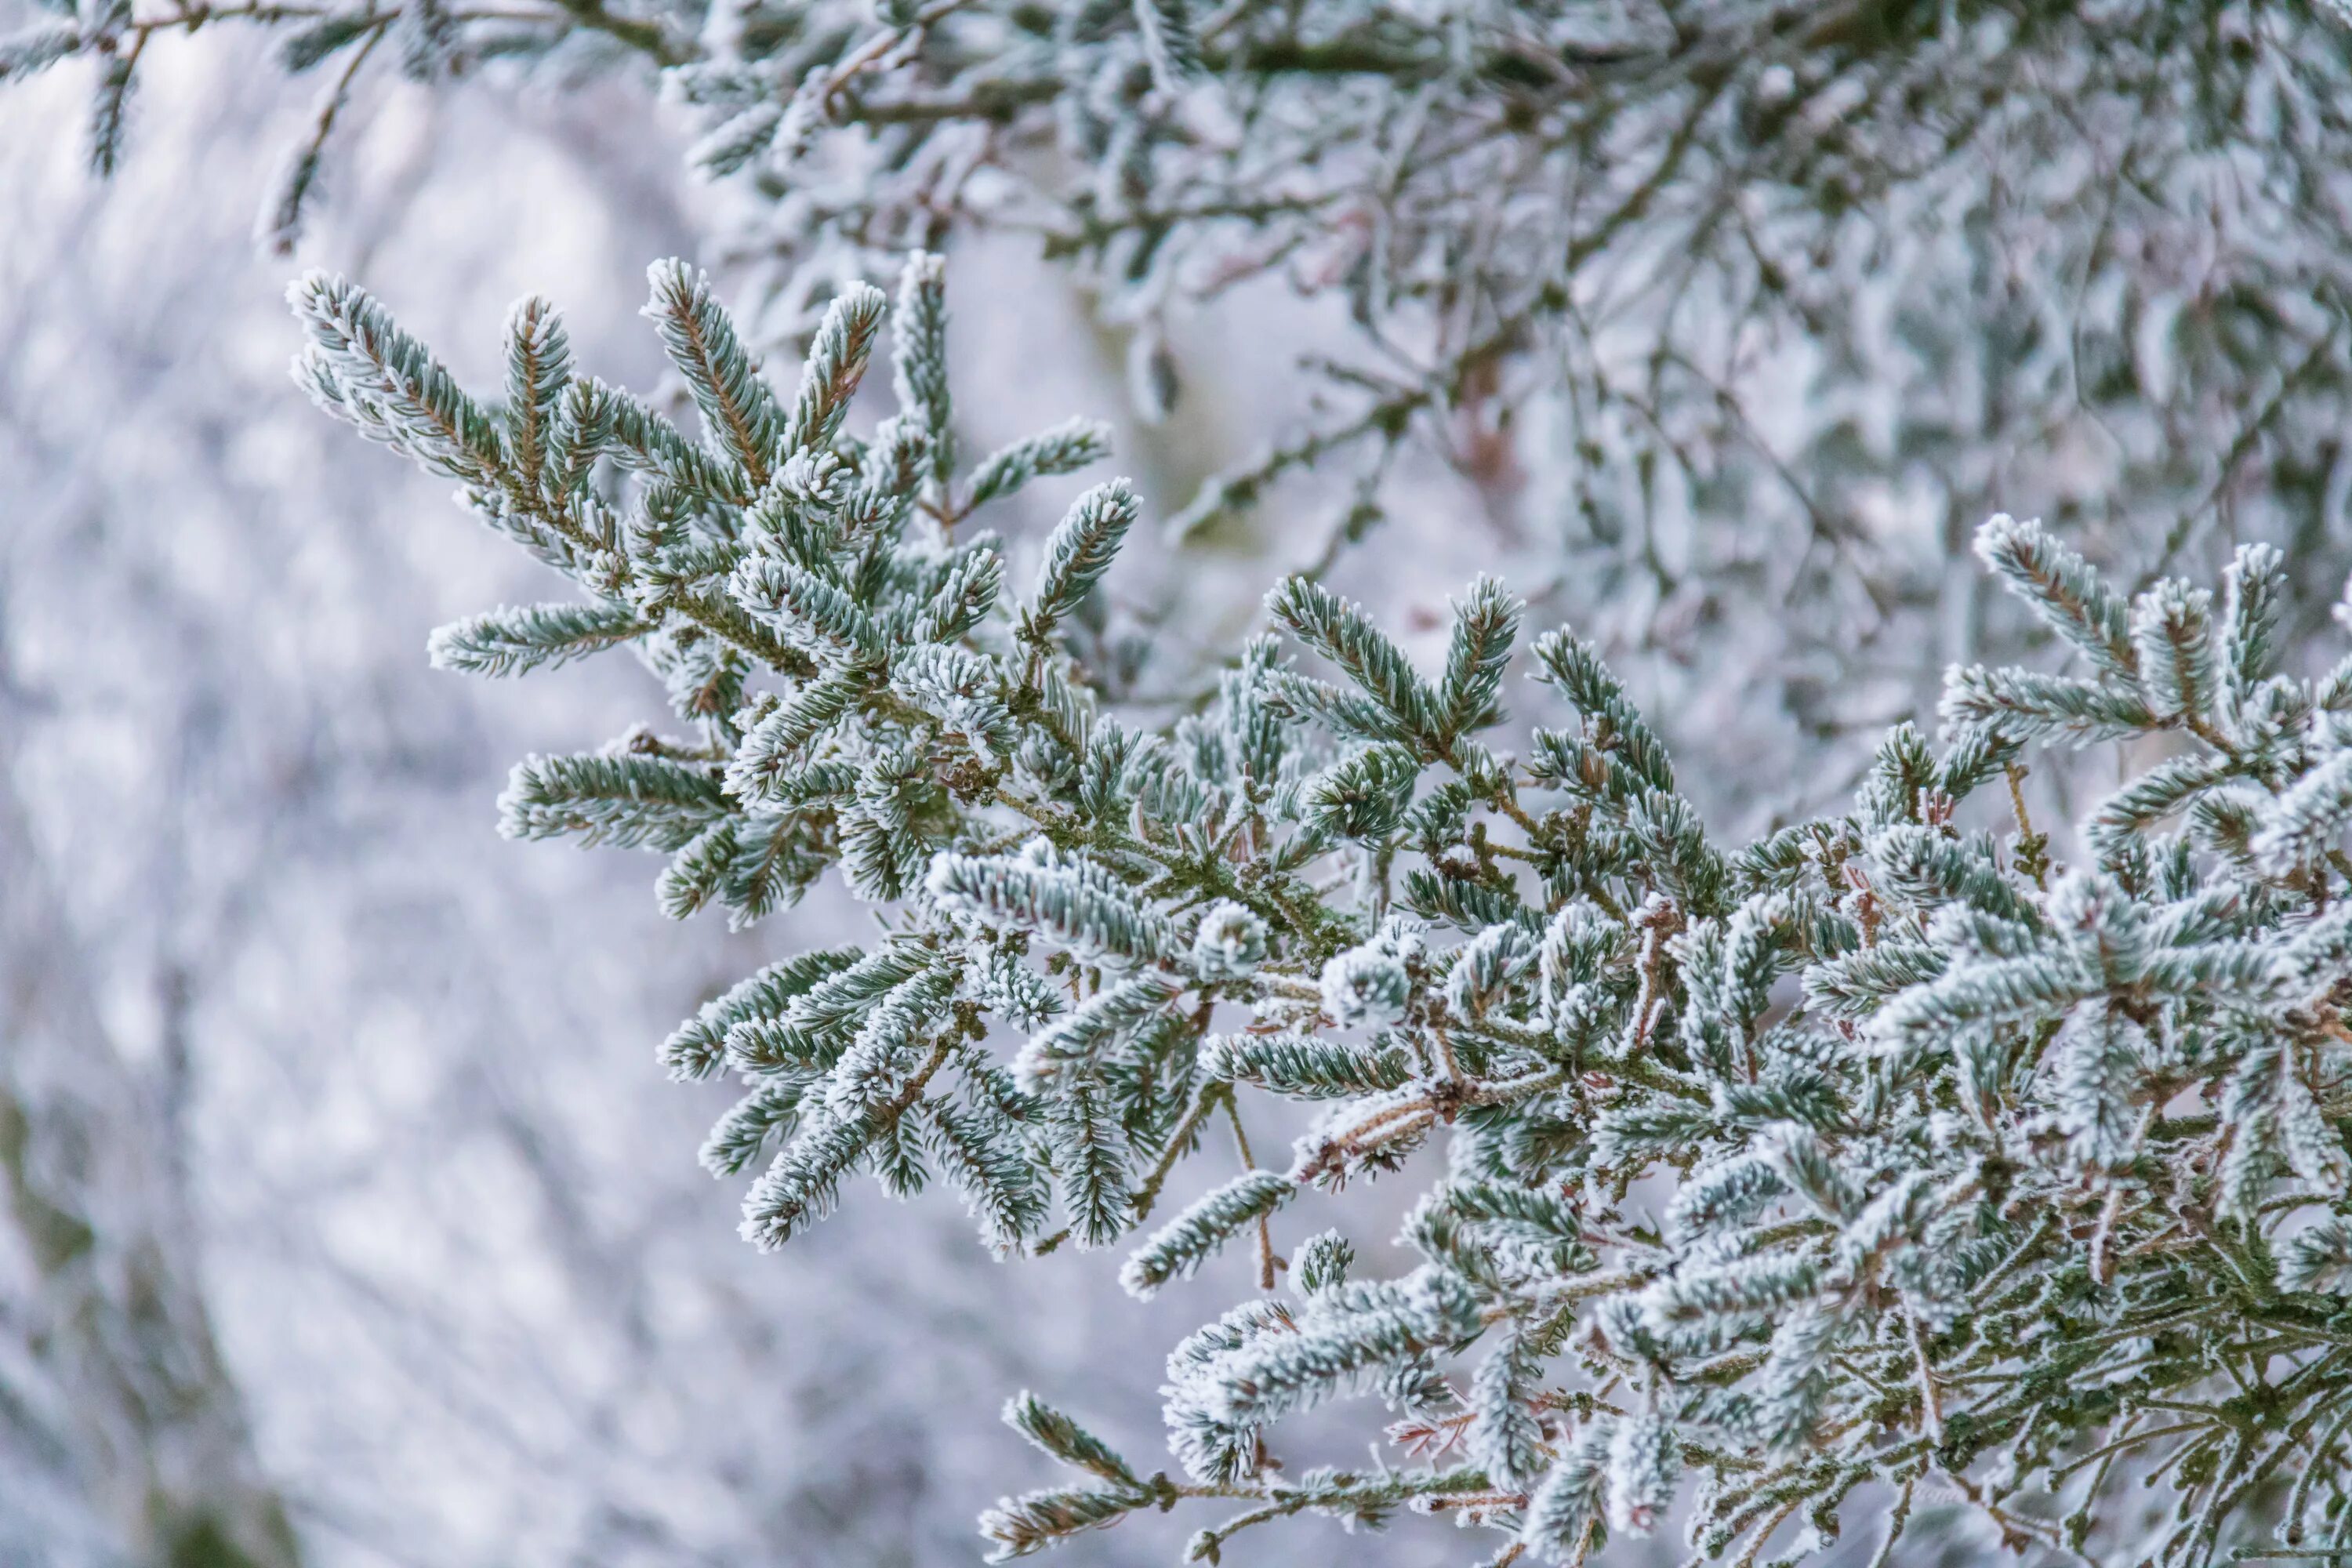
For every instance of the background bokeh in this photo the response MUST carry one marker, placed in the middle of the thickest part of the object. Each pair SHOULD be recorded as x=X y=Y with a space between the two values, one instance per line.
x=347 y=1198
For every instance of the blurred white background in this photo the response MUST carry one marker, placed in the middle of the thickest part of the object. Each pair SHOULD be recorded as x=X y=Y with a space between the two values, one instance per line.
x=349 y=1205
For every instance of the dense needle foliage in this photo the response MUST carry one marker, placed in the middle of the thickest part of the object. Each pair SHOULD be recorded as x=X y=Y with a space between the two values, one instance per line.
x=1901 y=1154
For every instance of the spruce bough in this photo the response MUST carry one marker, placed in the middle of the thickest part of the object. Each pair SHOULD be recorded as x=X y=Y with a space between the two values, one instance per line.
x=1885 y=1157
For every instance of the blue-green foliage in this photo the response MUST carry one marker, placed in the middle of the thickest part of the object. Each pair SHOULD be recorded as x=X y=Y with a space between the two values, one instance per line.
x=1884 y=1147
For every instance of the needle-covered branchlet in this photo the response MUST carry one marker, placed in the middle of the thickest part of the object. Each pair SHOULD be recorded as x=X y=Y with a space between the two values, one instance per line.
x=1891 y=1155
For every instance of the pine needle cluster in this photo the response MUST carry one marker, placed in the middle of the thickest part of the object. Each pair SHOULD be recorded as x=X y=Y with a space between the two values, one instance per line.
x=1891 y=1156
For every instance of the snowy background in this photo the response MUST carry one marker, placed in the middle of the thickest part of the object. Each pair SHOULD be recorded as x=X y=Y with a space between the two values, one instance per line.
x=345 y=1184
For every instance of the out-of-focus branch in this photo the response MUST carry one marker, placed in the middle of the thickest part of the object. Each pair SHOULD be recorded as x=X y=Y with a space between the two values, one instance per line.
x=151 y=1415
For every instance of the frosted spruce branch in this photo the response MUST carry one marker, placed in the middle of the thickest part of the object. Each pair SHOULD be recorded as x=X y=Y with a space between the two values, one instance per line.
x=1887 y=1154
